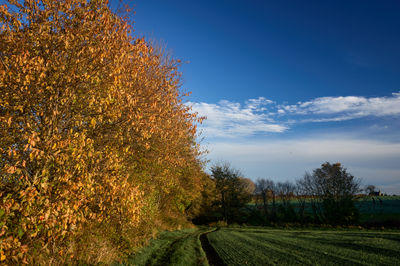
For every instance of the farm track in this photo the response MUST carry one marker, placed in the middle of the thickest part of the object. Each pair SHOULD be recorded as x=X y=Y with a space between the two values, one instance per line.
x=180 y=247
x=212 y=256
x=166 y=257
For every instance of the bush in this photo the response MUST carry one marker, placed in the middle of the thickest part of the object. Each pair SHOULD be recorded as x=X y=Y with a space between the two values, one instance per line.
x=341 y=211
x=93 y=133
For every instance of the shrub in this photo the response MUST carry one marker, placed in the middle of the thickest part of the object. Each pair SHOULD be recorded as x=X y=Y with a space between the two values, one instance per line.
x=93 y=134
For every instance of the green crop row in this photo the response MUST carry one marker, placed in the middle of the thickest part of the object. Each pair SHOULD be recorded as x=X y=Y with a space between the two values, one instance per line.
x=260 y=246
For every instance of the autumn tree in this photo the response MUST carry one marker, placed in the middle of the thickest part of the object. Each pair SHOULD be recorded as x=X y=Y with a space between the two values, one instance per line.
x=94 y=134
x=248 y=185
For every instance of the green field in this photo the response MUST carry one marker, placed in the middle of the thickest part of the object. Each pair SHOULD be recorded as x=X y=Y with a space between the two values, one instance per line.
x=261 y=246
x=267 y=246
x=374 y=211
x=172 y=248
x=271 y=246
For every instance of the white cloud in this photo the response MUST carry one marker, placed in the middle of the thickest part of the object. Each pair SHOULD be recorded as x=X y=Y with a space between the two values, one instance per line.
x=261 y=115
x=345 y=108
x=230 y=119
x=229 y=123
x=256 y=104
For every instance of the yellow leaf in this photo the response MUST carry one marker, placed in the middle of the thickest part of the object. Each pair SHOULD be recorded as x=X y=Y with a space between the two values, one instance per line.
x=2 y=257
x=93 y=122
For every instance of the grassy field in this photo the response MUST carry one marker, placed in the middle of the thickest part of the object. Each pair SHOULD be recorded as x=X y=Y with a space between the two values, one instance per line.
x=261 y=246
x=172 y=248
x=373 y=210
x=271 y=246
x=379 y=209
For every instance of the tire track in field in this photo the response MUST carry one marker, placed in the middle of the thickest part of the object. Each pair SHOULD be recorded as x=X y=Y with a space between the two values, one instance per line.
x=165 y=259
x=212 y=256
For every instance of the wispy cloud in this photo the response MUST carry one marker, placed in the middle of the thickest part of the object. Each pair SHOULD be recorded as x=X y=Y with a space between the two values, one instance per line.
x=230 y=119
x=261 y=115
x=326 y=109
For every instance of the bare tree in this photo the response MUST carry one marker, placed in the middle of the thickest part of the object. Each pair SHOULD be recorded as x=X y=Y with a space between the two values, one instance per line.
x=267 y=190
x=262 y=190
x=312 y=189
x=286 y=193
x=301 y=196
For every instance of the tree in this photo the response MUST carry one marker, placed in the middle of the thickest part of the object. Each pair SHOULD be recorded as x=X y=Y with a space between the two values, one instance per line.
x=370 y=189
x=262 y=190
x=94 y=134
x=266 y=188
x=332 y=190
x=248 y=185
x=286 y=192
x=301 y=196
x=232 y=189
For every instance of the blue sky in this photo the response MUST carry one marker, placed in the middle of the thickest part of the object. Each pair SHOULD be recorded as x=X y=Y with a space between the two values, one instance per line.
x=288 y=85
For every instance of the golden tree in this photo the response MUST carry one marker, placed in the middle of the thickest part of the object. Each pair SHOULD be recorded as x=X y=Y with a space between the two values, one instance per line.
x=93 y=131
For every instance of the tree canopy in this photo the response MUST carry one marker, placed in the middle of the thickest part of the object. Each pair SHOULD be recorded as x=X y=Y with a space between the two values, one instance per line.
x=93 y=132
x=332 y=190
x=233 y=190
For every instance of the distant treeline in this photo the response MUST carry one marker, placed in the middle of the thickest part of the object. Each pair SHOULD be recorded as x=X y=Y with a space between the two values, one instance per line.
x=326 y=196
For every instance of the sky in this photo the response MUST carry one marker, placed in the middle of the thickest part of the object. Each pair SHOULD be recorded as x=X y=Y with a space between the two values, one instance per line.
x=289 y=85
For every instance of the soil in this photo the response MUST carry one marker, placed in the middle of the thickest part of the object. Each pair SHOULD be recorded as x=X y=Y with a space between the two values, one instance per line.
x=212 y=256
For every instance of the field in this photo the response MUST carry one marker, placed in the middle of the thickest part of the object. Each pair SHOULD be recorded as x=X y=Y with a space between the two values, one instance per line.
x=260 y=246
x=181 y=247
x=266 y=246
x=271 y=246
x=374 y=211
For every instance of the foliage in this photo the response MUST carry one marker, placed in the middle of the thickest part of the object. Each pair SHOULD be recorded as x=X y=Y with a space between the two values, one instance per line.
x=204 y=210
x=370 y=189
x=263 y=246
x=332 y=191
x=233 y=191
x=93 y=133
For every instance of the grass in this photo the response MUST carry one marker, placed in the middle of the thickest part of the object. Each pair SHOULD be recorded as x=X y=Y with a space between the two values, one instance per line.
x=261 y=246
x=384 y=210
x=268 y=246
x=385 y=204
x=181 y=247
x=376 y=210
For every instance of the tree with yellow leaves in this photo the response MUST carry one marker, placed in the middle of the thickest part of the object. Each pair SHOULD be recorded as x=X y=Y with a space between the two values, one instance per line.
x=93 y=134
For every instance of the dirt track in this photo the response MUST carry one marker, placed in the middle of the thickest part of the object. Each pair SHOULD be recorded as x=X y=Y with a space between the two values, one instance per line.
x=212 y=256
